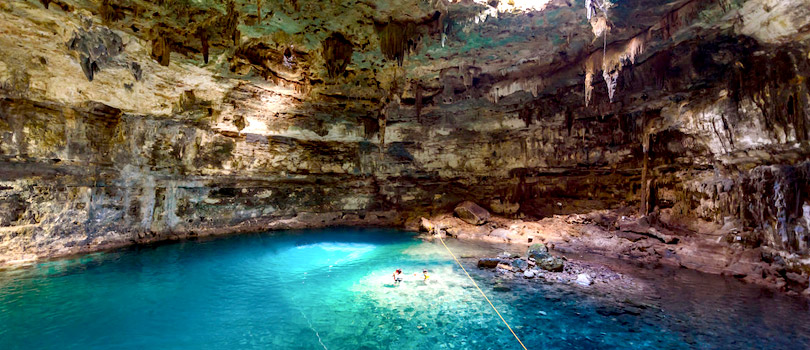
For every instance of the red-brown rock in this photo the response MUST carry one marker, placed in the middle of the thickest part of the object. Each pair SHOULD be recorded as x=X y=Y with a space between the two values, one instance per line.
x=472 y=213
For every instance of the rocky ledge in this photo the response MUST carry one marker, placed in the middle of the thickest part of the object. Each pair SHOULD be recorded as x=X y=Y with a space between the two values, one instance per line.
x=649 y=241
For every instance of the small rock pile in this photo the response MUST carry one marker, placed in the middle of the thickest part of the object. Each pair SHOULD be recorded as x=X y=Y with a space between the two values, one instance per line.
x=538 y=260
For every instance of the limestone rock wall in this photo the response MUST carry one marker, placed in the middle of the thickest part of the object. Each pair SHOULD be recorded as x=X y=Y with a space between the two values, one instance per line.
x=135 y=121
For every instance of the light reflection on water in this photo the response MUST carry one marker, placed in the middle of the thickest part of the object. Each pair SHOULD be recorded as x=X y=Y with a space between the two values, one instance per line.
x=333 y=288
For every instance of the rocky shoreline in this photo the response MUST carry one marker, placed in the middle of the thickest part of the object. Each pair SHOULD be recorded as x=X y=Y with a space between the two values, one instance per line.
x=15 y=251
x=649 y=241
x=645 y=241
x=541 y=266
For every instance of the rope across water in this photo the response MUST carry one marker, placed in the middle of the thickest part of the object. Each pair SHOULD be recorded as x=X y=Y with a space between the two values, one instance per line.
x=482 y=293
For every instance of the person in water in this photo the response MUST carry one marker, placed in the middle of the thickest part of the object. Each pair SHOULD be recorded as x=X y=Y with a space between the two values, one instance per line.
x=397 y=276
x=425 y=275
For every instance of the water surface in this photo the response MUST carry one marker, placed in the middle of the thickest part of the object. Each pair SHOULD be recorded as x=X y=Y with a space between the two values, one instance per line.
x=332 y=289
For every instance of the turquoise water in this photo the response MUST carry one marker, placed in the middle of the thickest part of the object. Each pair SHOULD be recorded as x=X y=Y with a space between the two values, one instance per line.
x=331 y=289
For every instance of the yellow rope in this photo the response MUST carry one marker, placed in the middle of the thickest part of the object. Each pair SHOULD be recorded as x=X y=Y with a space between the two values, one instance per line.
x=482 y=293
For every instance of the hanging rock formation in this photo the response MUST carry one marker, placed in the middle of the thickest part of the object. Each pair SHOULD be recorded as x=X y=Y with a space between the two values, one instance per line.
x=127 y=122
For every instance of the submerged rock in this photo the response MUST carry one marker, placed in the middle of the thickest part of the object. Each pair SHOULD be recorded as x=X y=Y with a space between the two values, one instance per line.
x=472 y=213
x=501 y=288
x=489 y=263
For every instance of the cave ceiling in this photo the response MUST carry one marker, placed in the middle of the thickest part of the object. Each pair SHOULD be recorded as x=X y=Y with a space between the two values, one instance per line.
x=327 y=59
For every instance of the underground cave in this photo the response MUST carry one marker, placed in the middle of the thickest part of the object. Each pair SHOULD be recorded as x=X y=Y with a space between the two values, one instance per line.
x=404 y=174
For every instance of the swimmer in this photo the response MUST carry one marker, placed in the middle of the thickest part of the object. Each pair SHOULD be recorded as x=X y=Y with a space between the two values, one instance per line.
x=425 y=275
x=397 y=276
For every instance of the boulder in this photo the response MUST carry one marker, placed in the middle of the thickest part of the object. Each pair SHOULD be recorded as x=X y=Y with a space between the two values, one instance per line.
x=584 y=280
x=426 y=226
x=550 y=263
x=538 y=251
x=528 y=274
x=489 y=263
x=501 y=288
x=471 y=213
x=520 y=265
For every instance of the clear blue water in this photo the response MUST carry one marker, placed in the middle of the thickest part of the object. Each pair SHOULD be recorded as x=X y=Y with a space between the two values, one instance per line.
x=331 y=289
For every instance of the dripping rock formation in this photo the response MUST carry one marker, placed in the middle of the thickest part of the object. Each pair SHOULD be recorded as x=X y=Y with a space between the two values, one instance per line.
x=135 y=121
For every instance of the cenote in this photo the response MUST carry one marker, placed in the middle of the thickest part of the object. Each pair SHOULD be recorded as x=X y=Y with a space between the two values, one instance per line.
x=248 y=174
x=332 y=289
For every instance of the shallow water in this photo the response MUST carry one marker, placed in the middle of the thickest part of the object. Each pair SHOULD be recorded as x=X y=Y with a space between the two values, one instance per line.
x=332 y=289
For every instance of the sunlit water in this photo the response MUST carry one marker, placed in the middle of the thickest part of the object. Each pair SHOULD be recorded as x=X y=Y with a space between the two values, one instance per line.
x=332 y=289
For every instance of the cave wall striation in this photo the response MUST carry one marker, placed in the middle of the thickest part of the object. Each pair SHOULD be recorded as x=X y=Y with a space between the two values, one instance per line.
x=130 y=121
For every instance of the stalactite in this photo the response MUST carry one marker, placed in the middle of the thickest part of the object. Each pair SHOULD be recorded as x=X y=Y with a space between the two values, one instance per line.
x=160 y=47
x=675 y=20
x=589 y=70
x=532 y=85
x=569 y=120
x=258 y=11
x=398 y=39
x=418 y=98
x=337 y=54
x=108 y=13
x=645 y=186
x=592 y=6
x=611 y=79
x=231 y=23
x=774 y=83
x=600 y=26
x=612 y=61
x=382 y=122
x=202 y=34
